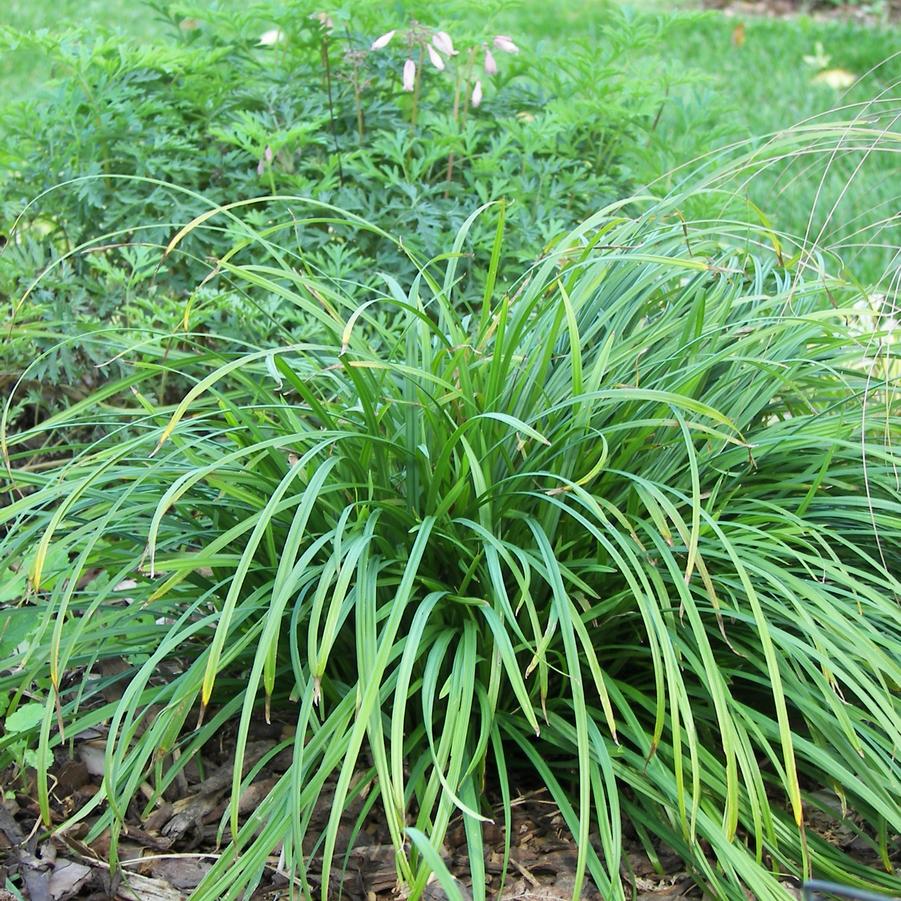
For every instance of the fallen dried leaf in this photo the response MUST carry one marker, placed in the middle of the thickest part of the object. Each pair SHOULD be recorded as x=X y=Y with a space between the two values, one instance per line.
x=838 y=79
x=67 y=878
x=181 y=872
x=135 y=887
x=92 y=756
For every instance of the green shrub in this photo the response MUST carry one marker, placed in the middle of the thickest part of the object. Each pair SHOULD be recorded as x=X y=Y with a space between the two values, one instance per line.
x=315 y=112
x=631 y=529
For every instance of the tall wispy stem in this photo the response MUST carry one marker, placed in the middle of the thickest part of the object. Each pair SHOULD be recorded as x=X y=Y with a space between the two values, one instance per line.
x=327 y=66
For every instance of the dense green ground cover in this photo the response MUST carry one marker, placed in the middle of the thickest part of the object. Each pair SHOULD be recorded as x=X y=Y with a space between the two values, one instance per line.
x=475 y=484
x=761 y=87
x=209 y=109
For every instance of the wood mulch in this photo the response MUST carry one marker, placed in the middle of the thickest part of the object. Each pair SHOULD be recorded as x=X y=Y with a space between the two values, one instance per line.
x=873 y=14
x=166 y=854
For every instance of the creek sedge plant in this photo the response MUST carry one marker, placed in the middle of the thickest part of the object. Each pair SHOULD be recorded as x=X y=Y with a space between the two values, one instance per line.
x=628 y=528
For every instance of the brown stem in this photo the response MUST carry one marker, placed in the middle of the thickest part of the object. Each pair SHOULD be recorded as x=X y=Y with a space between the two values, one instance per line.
x=359 y=106
x=467 y=80
x=358 y=89
x=656 y=121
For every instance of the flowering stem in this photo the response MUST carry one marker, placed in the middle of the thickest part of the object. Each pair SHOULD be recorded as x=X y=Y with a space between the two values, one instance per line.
x=460 y=119
x=359 y=107
x=452 y=156
x=468 y=80
x=331 y=109
x=358 y=88
x=416 y=87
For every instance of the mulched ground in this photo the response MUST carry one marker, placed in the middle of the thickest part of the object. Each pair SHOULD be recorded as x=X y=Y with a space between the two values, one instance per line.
x=166 y=855
x=874 y=13
x=169 y=852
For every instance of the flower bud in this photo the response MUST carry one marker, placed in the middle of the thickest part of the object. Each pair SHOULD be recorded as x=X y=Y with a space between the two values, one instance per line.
x=490 y=63
x=272 y=37
x=442 y=40
x=382 y=41
x=409 y=75
x=435 y=58
x=324 y=19
x=477 y=94
x=502 y=42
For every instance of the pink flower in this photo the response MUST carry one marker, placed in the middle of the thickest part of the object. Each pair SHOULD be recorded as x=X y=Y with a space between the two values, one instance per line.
x=490 y=63
x=502 y=42
x=477 y=94
x=435 y=58
x=324 y=19
x=383 y=41
x=409 y=75
x=442 y=40
x=265 y=160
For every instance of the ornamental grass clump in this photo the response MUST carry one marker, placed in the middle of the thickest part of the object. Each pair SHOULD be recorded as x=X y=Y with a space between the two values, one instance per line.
x=629 y=530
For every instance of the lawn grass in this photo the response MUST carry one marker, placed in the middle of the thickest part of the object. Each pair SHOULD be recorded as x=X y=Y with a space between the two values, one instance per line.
x=764 y=86
x=21 y=72
x=753 y=82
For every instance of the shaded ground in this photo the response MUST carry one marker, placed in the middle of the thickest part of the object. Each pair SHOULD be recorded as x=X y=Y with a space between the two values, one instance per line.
x=165 y=854
x=869 y=13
